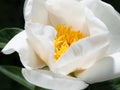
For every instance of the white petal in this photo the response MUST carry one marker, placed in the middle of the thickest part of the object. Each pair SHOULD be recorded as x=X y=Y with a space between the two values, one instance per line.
x=51 y=80
x=105 y=69
x=68 y=12
x=84 y=53
x=41 y=38
x=89 y=3
x=111 y=18
x=35 y=11
x=27 y=55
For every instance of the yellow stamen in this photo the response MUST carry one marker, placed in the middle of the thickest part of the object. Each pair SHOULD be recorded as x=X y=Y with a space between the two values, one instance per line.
x=64 y=38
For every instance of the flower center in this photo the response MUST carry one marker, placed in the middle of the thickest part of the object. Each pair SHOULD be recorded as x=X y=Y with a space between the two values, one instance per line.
x=64 y=38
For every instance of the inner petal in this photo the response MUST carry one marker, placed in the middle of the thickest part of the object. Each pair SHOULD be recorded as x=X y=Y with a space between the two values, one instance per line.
x=64 y=38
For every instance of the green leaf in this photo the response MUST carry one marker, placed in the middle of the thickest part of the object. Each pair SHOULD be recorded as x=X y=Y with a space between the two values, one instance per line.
x=107 y=85
x=6 y=34
x=116 y=83
x=39 y=88
x=101 y=86
x=15 y=74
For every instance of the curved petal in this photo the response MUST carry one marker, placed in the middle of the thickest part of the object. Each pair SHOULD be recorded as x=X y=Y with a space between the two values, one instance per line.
x=75 y=16
x=111 y=18
x=105 y=69
x=89 y=3
x=84 y=53
x=41 y=38
x=35 y=11
x=51 y=80
x=27 y=55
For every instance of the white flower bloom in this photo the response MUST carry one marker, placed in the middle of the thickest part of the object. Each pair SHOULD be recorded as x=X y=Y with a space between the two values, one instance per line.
x=69 y=36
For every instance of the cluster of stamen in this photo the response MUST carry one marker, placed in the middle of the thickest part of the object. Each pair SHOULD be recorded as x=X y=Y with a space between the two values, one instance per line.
x=64 y=38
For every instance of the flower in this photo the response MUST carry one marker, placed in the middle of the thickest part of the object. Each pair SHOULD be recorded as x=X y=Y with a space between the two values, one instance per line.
x=78 y=41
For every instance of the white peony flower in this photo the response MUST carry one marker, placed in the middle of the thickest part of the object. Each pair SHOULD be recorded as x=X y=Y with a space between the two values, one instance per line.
x=77 y=39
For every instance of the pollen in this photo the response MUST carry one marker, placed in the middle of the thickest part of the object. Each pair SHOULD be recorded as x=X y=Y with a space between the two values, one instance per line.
x=65 y=37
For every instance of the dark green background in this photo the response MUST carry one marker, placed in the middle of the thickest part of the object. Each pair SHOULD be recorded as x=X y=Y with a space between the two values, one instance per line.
x=11 y=15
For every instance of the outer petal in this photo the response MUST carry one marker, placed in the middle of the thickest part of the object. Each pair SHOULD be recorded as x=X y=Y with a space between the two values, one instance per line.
x=84 y=53
x=105 y=69
x=41 y=38
x=51 y=80
x=35 y=11
x=110 y=17
x=27 y=55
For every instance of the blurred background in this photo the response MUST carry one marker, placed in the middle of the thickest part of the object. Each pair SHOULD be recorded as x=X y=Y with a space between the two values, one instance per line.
x=11 y=15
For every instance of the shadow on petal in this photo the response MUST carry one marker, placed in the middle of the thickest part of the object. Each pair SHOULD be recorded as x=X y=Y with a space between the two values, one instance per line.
x=105 y=69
